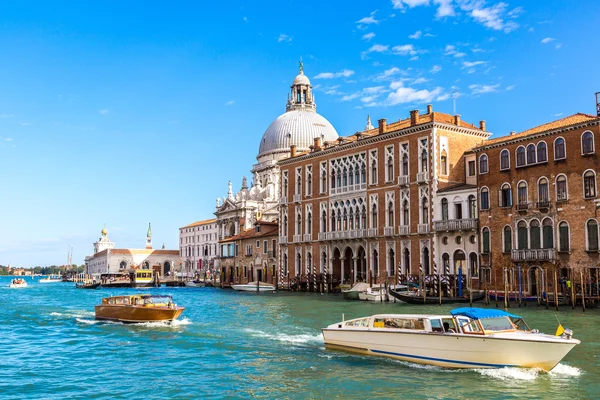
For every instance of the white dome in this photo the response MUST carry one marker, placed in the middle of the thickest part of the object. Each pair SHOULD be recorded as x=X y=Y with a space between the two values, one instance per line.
x=301 y=79
x=297 y=127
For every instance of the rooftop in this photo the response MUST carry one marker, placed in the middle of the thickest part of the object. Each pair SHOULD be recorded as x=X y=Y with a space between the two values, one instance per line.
x=198 y=223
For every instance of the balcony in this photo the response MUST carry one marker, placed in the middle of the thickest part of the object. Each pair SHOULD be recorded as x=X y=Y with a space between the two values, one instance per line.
x=283 y=240
x=403 y=180
x=283 y=200
x=388 y=231
x=372 y=232
x=308 y=237
x=522 y=206
x=297 y=198
x=322 y=236
x=348 y=188
x=297 y=238
x=404 y=230
x=543 y=205
x=533 y=255
x=456 y=225
x=423 y=228
x=422 y=177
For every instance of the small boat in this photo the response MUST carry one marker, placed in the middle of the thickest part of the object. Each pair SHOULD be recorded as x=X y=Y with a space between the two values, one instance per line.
x=467 y=338
x=254 y=287
x=138 y=308
x=375 y=293
x=353 y=293
x=414 y=299
x=87 y=285
x=17 y=283
x=51 y=279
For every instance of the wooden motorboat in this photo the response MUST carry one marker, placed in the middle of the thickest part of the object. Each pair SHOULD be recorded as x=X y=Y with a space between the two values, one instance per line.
x=18 y=283
x=413 y=299
x=138 y=308
x=467 y=338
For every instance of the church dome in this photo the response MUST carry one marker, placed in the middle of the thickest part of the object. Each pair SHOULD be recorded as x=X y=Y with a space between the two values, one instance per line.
x=299 y=127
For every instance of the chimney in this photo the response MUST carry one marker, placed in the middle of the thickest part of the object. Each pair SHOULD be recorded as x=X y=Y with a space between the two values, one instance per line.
x=293 y=150
x=482 y=125
x=414 y=117
x=429 y=108
x=317 y=145
x=512 y=133
x=382 y=125
x=457 y=120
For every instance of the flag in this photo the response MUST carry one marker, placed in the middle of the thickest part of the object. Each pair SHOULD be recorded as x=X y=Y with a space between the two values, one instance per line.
x=560 y=330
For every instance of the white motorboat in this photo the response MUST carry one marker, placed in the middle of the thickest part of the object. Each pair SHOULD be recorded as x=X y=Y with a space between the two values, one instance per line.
x=18 y=283
x=254 y=287
x=374 y=294
x=51 y=279
x=468 y=338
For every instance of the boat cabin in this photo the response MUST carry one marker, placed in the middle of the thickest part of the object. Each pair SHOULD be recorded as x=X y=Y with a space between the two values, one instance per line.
x=139 y=300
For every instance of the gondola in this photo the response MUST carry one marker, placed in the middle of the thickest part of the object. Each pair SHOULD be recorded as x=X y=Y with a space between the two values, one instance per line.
x=434 y=299
x=87 y=285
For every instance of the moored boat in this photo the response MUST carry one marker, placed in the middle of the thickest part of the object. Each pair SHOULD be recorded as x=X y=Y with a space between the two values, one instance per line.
x=17 y=283
x=415 y=299
x=87 y=285
x=467 y=338
x=51 y=279
x=254 y=287
x=353 y=293
x=138 y=308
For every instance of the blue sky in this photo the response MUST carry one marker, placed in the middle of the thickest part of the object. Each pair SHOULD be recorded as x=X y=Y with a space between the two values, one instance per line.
x=133 y=112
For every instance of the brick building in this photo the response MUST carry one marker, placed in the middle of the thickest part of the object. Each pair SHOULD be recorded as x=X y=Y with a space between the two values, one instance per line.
x=538 y=202
x=362 y=207
x=250 y=255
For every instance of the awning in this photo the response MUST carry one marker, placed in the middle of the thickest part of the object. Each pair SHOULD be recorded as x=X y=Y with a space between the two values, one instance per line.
x=481 y=313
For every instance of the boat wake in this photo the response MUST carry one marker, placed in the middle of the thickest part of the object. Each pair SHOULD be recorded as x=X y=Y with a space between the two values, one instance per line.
x=530 y=374
x=282 y=337
x=76 y=314
x=174 y=324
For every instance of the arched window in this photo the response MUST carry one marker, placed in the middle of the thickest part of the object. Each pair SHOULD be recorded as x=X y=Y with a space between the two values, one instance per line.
x=309 y=223
x=444 y=163
x=535 y=235
x=298 y=264
x=373 y=172
x=351 y=219
x=472 y=207
x=324 y=182
x=364 y=217
x=424 y=160
x=592 y=235
x=589 y=184
x=391 y=262
x=542 y=152
x=324 y=222
x=405 y=164
x=406 y=261
x=424 y=211
x=356 y=175
x=405 y=213
x=522 y=195
x=483 y=164
x=504 y=160
x=473 y=265
x=374 y=216
x=375 y=262
x=390 y=169
x=363 y=173
x=444 y=209
x=299 y=224
x=507 y=239
x=390 y=214
x=351 y=175
x=426 y=268
x=333 y=220
x=299 y=185
x=562 y=193
x=485 y=199
x=285 y=265
x=522 y=235
x=485 y=242
x=285 y=225
x=339 y=179
x=345 y=177
x=543 y=194
x=332 y=178
x=560 y=152
x=309 y=263
x=520 y=156
x=531 y=159
x=563 y=236
x=506 y=196
x=548 y=234
x=587 y=143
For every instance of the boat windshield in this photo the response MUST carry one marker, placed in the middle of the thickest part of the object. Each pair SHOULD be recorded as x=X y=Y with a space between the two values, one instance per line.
x=156 y=300
x=497 y=324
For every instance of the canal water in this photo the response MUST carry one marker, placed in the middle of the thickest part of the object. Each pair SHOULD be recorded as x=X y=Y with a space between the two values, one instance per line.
x=247 y=345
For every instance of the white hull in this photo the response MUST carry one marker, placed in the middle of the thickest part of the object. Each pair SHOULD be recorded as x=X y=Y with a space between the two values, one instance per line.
x=18 y=285
x=253 y=287
x=50 y=280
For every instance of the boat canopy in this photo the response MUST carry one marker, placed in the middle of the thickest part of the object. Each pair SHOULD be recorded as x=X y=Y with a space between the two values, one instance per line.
x=481 y=313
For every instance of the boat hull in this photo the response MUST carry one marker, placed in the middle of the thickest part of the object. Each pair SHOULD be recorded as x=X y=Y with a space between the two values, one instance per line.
x=350 y=294
x=451 y=350
x=17 y=285
x=434 y=299
x=135 y=314
x=252 y=288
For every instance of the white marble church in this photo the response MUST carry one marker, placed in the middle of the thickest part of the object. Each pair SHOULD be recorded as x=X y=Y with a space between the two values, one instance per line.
x=300 y=125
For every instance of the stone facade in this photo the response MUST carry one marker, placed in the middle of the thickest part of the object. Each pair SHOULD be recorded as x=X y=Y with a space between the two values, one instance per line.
x=198 y=247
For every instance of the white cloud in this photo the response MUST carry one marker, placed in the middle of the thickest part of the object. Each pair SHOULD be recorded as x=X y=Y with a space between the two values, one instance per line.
x=416 y=35
x=400 y=4
x=510 y=87
x=378 y=48
x=284 y=38
x=388 y=73
x=368 y=20
x=531 y=29
x=547 y=40
x=435 y=69
x=103 y=111
x=7 y=115
x=245 y=19
x=471 y=64
x=405 y=49
x=557 y=114
x=558 y=46
x=368 y=36
x=420 y=80
x=445 y=8
x=331 y=75
x=429 y=35
x=352 y=96
x=402 y=95
x=492 y=17
x=332 y=90
x=25 y=123
x=481 y=89
x=230 y=103
x=443 y=97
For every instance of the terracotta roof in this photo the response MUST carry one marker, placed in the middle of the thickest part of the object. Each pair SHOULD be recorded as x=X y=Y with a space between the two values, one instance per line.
x=198 y=223
x=460 y=186
x=559 y=123
x=251 y=233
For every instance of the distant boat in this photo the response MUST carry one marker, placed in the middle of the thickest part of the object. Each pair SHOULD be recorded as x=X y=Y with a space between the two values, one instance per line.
x=51 y=279
x=88 y=285
x=254 y=287
x=18 y=283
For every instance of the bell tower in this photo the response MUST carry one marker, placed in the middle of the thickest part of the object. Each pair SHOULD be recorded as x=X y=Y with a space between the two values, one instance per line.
x=149 y=237
x=301 y=96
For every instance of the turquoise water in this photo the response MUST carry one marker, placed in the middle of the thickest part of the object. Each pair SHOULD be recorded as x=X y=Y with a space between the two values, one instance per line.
x=244 y=345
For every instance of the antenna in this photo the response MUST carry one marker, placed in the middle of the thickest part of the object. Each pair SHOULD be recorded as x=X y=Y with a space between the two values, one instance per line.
x=598 y=104
x=454 y=97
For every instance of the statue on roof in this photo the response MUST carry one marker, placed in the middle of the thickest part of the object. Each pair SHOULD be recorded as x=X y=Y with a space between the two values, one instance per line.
x=301 y=66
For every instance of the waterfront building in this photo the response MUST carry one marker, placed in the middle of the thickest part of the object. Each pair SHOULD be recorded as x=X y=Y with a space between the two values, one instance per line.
x=107 y=259
x=538 y=201
x=362 y=207
x=198 y=247
x=250 y=255
x=298 y=126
